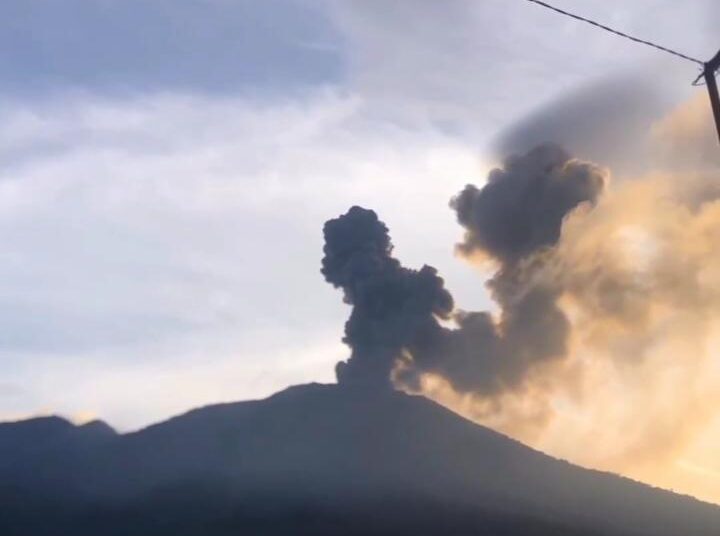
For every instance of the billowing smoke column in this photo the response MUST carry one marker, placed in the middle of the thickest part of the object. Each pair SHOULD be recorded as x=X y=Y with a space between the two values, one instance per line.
x=521 y=208
x=608 y=321
x=392 y=305
x=395 y=324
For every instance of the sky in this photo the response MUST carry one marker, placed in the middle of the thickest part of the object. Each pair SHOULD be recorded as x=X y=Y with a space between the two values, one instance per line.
x=166 y=169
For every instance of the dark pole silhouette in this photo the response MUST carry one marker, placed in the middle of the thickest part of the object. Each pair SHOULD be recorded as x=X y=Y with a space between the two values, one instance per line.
x=709 y=73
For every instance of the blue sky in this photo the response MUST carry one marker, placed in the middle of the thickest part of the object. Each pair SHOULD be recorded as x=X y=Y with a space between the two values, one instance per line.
x=130 y=46
x=166 y=168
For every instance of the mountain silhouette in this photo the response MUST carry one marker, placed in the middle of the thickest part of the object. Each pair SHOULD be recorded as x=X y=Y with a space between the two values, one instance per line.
x=317 y=459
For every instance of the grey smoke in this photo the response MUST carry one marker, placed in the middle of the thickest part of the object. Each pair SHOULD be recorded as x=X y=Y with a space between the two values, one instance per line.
x=607 y=120
x=521 y=208
x=392 y=305
x=396 y=325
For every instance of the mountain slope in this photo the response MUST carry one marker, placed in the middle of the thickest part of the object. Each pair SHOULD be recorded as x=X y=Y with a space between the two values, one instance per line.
x=321 y=459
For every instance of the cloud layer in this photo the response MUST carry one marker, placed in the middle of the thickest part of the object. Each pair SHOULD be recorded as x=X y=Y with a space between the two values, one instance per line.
x=147 y=237
x=131 y=46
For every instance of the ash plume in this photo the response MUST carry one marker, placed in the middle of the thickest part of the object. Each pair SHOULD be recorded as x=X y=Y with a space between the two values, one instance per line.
x=395 y=325
x=392 y=305
x=638 y=278
x=608 y=309
x=521 y=208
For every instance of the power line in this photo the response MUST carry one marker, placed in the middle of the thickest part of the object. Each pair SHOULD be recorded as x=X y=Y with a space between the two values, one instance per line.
x=616 y=32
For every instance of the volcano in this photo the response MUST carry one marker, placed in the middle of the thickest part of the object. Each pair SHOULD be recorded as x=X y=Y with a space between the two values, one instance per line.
x=317 y=459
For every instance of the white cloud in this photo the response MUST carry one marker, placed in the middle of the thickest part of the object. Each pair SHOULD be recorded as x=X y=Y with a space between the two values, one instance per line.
x=133 y=231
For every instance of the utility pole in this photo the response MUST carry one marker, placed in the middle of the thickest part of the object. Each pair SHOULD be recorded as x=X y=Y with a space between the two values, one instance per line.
x=709 y=71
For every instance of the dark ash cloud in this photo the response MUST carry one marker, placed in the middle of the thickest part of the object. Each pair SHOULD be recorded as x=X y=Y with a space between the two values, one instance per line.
x=396 y=329
x=522 y=206
x=392 y=305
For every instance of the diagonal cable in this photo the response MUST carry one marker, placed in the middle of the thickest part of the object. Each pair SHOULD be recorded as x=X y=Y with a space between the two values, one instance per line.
x=618 y=33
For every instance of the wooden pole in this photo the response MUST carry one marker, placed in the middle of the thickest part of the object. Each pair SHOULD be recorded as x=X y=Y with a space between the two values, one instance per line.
x=709 y=73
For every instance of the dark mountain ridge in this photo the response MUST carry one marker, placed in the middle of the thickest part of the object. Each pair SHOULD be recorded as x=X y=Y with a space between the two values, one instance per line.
x=317 y=459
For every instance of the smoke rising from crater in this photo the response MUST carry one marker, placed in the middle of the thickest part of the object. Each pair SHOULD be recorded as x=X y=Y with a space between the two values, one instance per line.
x=392 y=305
x=608 y=309
x=395 y=324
